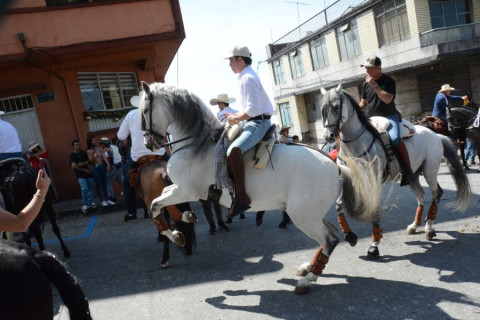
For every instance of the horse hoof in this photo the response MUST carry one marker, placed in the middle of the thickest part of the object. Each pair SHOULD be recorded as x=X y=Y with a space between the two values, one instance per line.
x=178 y=238
x=302 y=289
x=282 y=225
x=351 y=238
x=164 y=265
x=411 y=230
x=373 y=253
x=189 y=217
x=66 y=253
x=430 y=234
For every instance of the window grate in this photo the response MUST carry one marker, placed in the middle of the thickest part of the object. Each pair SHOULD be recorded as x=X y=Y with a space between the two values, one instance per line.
x=16 y=103
x=107 y=91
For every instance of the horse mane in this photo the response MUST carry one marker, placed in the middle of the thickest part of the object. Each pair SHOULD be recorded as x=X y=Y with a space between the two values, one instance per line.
x=361 y=116
x=190 y=114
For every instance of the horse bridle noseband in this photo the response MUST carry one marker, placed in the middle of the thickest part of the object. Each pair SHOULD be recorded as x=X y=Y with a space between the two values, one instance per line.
x=340 y=123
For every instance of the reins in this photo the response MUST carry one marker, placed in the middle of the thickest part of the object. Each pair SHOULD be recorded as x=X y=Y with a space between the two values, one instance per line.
x=158 y=138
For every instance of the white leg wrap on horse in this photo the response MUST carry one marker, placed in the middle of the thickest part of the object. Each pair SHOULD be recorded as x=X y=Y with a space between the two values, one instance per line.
x=429 y=225
x=412 y=228
x=304 y=269
x=375 y=244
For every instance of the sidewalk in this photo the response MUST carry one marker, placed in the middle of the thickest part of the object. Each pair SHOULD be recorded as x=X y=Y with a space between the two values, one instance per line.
x=74 y=206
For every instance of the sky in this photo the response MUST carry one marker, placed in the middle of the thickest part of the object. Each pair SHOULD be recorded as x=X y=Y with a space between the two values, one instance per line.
x=214 y=27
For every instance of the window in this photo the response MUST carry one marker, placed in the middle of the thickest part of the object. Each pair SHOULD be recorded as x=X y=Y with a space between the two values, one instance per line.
x=448 y=13
x=107 y=91
x=348 y=40
x=296 y=64
x=278 y=73
x=318 y=50
x=285 y=115
x=392 y=22
x=17 y=103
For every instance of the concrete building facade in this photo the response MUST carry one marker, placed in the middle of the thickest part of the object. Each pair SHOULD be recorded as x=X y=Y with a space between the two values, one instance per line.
x=68 y=69
x=422 y=43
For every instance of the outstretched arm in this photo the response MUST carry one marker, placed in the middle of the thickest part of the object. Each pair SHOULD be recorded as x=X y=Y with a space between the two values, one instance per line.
x=19 y=223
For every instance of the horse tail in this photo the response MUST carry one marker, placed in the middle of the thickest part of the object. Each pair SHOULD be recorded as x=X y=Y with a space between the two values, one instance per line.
x=460 y=178
x=66 y=284
x=362 y=187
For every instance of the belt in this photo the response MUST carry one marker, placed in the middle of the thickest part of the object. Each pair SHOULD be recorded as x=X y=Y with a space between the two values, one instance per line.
x=260 y=117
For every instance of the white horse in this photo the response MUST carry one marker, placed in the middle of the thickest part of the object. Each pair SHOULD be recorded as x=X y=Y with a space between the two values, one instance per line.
x=300 y=180
x=342 y=114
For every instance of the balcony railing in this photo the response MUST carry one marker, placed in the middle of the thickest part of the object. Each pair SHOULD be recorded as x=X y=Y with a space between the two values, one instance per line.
x=450 y=34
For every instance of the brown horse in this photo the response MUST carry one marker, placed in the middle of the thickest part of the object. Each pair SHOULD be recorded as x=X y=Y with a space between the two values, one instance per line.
x=151 y=181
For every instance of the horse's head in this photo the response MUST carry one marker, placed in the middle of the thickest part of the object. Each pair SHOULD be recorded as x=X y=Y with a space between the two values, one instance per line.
x=461 y=117
x=333 y=112
x=155 y=118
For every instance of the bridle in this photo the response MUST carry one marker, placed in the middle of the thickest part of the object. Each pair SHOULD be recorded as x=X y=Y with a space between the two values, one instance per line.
x=151 y=136
x=340 y=121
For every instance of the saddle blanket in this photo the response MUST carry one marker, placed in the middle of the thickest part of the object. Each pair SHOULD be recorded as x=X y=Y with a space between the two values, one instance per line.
x=381 y=124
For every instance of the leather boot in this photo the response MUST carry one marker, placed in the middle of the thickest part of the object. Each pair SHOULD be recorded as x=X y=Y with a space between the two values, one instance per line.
x=407 y=174
x=237 y=169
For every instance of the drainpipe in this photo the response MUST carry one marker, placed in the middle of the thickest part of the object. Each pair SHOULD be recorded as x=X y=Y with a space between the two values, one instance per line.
x=75 y=121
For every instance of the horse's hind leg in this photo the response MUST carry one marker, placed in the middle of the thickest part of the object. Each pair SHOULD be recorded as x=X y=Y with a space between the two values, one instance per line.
x=432 y=211
x=53 y=220
x=420 y=196
x=311 y=271
x=348 y=234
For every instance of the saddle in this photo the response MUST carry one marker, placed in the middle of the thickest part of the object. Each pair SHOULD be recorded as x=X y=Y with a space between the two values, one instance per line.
x=141 y=162
x=394 y=166
x=258 y=156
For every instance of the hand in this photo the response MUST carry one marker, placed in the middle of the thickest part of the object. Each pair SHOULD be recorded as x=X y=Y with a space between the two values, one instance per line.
x=43 y=182
x=370 y=81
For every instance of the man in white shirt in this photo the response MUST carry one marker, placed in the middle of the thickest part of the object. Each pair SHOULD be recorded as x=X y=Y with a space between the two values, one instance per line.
x=10 y=145
x=131 y=126
x=256 y=111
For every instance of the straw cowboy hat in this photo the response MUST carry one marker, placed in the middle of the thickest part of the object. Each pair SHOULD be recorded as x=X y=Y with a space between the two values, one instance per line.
x=32 y=145
x=446 y=87
x=223 y=97
x=284 y=128
x=105 y=141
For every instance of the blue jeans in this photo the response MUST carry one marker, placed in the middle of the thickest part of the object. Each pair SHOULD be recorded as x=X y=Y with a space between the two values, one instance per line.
x=470 y=151
x=100 y=175
x=252 y=133
x=87 y=185
x=394 y=129
x=116 y=174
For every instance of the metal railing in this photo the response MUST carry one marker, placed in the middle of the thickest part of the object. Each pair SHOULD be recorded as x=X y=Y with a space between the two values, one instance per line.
x=450 y=34
x=318 y=21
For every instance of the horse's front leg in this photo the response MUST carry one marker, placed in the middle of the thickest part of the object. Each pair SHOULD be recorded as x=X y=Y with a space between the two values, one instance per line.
x=348 y=234
x=170 y=196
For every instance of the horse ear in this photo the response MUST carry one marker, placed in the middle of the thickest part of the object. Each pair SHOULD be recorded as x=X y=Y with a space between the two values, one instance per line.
x=146 y=87
x=339 y=88
x=323 y=91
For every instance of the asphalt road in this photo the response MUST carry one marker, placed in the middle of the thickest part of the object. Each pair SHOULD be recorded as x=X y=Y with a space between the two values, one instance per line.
x=249 y=272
